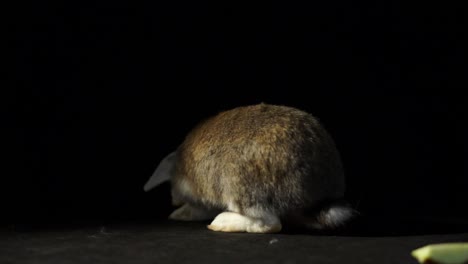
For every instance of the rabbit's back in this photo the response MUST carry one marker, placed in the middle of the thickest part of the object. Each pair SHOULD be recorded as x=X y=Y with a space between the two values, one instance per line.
x=275 y=157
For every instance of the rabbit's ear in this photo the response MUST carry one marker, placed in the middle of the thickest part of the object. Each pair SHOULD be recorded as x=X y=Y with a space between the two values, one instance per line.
x=162 y=173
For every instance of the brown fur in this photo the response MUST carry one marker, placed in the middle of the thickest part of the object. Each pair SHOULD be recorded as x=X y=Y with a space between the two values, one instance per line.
x=275 y=158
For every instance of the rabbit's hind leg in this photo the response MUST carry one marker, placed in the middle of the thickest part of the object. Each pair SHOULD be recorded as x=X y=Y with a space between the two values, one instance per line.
x=262 y=222
x=188 y=212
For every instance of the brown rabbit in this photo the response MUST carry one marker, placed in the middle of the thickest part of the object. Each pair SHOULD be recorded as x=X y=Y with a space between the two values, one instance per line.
x=255 y=166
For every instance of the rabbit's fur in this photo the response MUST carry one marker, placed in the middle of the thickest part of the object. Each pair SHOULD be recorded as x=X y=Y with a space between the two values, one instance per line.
x=257 y=165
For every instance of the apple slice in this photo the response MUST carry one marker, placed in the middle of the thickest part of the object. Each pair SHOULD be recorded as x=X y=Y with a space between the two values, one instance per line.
x=447 y=253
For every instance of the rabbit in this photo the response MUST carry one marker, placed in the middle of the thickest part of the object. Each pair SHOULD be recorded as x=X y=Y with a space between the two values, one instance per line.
x=252 y=167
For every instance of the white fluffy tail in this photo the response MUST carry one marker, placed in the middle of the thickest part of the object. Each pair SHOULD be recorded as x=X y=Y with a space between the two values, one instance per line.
x=333 y=216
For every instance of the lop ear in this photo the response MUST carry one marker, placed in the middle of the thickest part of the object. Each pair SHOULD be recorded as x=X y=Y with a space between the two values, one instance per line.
x=162 y=173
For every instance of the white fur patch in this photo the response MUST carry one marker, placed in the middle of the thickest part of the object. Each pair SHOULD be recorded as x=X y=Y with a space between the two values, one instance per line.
x=258 y=212
x=234 y=222
x=185 y=188
x=232 y=206
x=338 y=215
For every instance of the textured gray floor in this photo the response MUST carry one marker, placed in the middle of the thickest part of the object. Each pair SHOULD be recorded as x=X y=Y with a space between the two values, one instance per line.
x=170 y=242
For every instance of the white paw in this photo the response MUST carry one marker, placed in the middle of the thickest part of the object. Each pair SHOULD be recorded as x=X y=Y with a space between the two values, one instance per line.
x=234 y=222
x=188 y=212
x=230 y=222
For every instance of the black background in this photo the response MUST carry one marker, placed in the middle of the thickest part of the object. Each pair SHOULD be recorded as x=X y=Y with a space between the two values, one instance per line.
x=103 y=91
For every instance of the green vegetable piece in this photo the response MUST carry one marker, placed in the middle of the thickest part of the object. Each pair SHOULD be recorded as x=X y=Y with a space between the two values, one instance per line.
x=448 y=253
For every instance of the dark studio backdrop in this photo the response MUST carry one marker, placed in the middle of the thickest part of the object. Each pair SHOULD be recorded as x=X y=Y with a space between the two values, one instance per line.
x=105 y=90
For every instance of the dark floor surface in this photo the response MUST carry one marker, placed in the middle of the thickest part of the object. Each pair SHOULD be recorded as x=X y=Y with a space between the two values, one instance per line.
x=178 y=242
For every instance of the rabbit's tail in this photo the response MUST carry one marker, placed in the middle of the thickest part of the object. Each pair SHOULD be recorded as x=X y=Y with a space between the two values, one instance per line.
x=330 y=216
